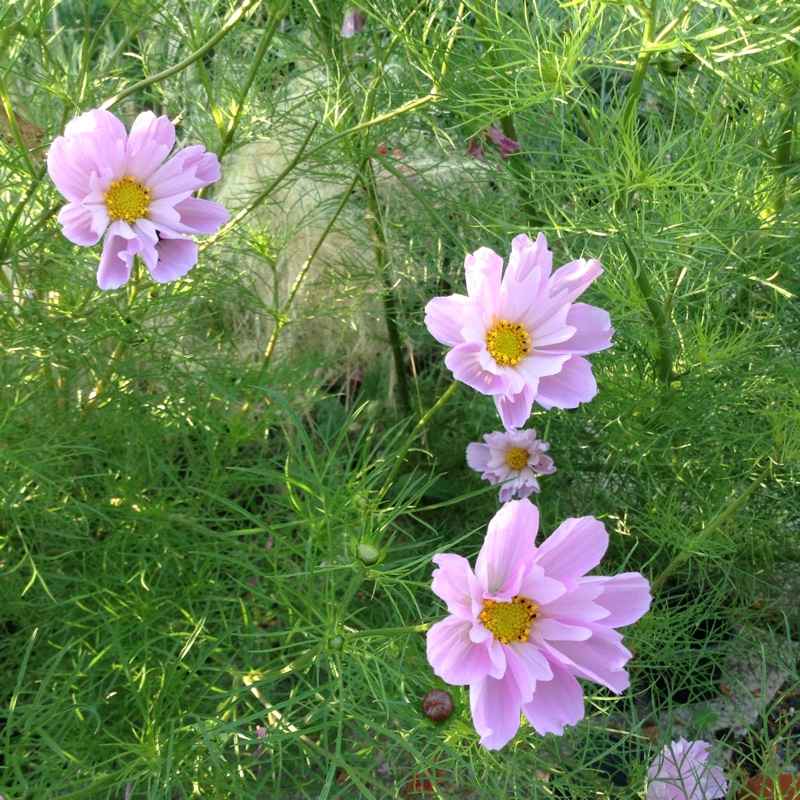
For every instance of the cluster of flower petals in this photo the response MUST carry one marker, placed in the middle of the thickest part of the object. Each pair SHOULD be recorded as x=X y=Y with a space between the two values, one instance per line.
x=518 y=335
x=681 y=771
x=122 y=187
x=512 y=458
x=528 y=621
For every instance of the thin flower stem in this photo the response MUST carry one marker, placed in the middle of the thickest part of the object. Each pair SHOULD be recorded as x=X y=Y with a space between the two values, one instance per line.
x=664 y=360
x=422 y=423
x=421 y=628
x=727 y=512
x=783 y=152
x=266 y=39
x=227 y=27
x=640 y=69
x=387 y=294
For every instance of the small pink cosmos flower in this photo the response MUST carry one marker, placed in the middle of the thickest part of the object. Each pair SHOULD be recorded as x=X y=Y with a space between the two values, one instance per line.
x=520 y=336
x=528 y=621
x=353 y=23
x=506 y=144
x=681 y=772
x=475 y=149
x=119 y=184
x=513 y=458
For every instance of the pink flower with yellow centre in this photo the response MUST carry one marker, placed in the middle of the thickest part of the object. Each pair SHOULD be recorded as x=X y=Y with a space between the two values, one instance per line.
x=120 y=185
x=528 y=621
x=513 y=458
x=519 y=336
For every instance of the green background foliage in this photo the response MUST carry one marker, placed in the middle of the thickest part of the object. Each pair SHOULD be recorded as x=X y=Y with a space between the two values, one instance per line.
x=179 y=524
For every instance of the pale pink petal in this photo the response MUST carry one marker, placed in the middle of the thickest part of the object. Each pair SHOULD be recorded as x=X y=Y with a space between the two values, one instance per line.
x=525 y=280
x=175 y=258
x=575 y=547
x=539 y=587
x=464 y=362
x=626 y=597
x=540 y=365
x=97 y=122
x=116 y=261
x=478 y=456
x=83 y=225
x=508 y=548
x=573 y=279
x=556 y=703
x=455 y=583
x=188 y=170
x=574 y=385
x=445 y=316
x=579 y=604
x=514 y=410
x=593 y=331
x=495 y=706
x=454 y=657
x=149 y=143
x=556 y=631
x=201 y=216
x=600 y=658
x=483 y=269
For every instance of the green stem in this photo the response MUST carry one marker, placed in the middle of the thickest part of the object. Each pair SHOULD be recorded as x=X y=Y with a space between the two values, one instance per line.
x=387 y=294
x=640 y=69
x=421 y=628
x=266 y=39
x=727 y=512
x=227 y=27
x=783 y=152
x=422 y=423
x=665 y=357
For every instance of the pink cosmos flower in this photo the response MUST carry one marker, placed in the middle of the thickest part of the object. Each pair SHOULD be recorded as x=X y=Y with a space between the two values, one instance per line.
x=506 y=144
x=353 y=23
x=119 y=184
x=527 y=622
x=681 y=772
x=513 y=458
x=520 y=336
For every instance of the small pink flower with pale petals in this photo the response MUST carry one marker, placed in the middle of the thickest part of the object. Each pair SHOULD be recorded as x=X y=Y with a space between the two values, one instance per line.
x=528 y=621
x=506 y=144
x=513 y=458
x=118 y=183
x=681 y=772
x=519 y=336
x=353 y=23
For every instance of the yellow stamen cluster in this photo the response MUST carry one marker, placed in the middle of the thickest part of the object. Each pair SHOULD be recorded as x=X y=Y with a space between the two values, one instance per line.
x=127 y=199
x=509 y=622
x=517 y=458
x=508 y=342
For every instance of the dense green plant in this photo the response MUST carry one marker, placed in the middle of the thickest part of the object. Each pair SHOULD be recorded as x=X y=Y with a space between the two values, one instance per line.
x=200 y=546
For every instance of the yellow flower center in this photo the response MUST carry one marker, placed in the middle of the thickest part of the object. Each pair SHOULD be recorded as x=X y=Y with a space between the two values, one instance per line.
x=127 y=199
x=517 y=458
x=508 y=342
x=509 y=622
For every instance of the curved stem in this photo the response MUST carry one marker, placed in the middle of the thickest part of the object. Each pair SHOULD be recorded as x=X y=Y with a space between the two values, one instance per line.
x=230 y=23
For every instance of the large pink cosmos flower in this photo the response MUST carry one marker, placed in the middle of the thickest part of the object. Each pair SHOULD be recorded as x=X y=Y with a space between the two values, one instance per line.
x=521 y=336
x=527 y=621
x=681 y=772
x=119 y=183
x=513 y=458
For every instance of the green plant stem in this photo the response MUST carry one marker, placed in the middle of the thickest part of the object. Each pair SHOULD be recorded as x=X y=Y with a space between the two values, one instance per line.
x=422 y=423
x=266 y=39
x=639 y=71
x=387 y=293
x=724 y=515
x=421 y=628
x=657 y=312
x=783 y=152
x=227 y=27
